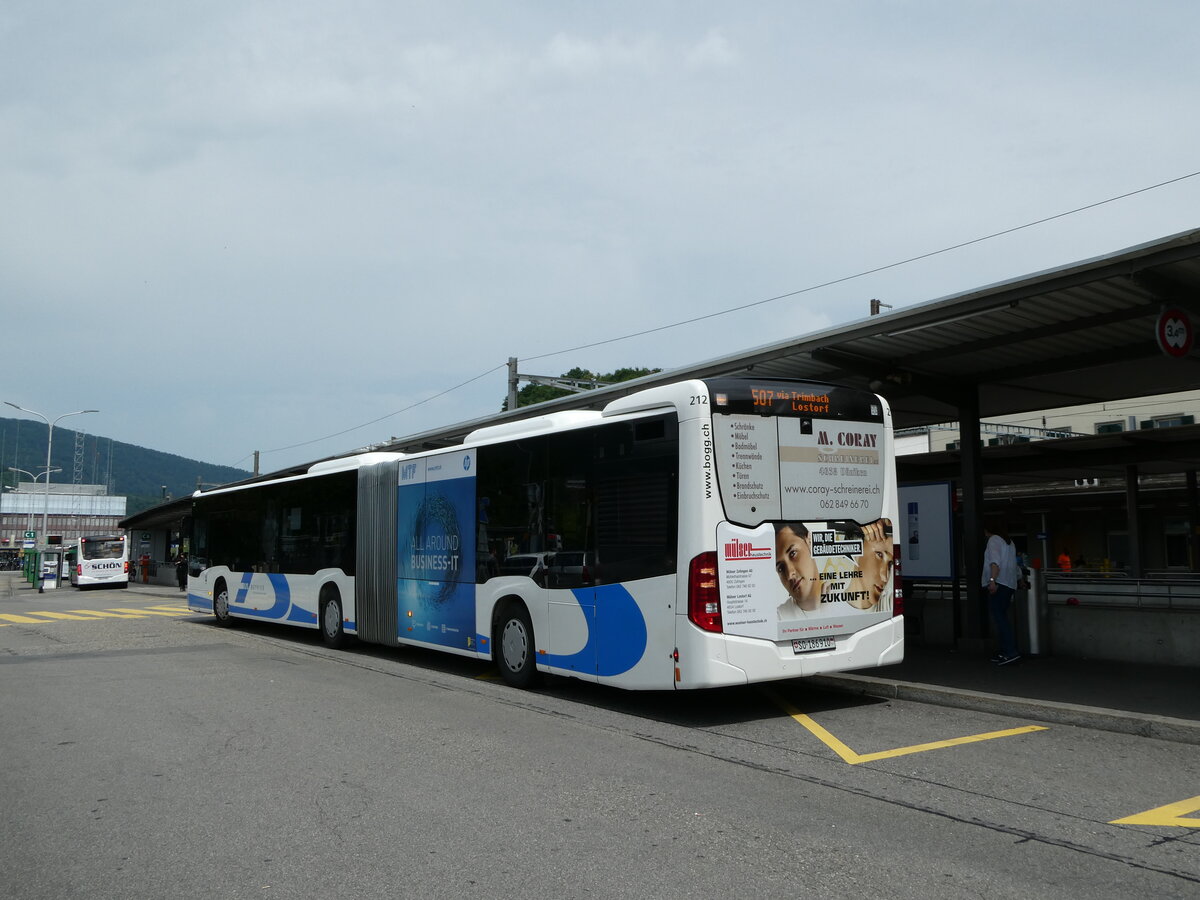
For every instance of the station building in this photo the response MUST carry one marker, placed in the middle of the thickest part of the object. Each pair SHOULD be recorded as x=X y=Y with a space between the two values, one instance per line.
x=72 y=511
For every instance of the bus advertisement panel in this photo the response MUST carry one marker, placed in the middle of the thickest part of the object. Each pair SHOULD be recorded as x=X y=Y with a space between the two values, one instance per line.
x=804 y=579
x=806 y=551
x=435 y=560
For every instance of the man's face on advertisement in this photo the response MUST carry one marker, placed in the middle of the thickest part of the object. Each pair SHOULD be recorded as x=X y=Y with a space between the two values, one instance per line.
x=876 y=567
x=796 y=568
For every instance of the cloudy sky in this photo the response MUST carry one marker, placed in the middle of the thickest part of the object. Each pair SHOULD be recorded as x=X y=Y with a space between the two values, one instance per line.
x=248 y=225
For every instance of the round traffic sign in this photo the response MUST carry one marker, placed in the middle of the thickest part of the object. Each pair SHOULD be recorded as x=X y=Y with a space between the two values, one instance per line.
x=1174 y=332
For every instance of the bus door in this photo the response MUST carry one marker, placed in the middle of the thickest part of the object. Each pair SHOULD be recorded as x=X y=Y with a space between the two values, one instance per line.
x=573 y=637
x=597 y=631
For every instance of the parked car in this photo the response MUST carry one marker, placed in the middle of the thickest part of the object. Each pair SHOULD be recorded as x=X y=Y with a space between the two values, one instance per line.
x=571 y=569
x=524 y=563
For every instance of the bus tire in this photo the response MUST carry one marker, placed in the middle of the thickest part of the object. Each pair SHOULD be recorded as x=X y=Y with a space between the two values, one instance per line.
x=330 y=617
x=513 y=639
x=221 y=604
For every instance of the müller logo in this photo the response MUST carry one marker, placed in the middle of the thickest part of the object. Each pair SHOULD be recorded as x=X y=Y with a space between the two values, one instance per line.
x=736 y=549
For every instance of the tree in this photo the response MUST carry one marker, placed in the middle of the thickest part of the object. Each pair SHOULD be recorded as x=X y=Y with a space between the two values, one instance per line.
x=540 y=393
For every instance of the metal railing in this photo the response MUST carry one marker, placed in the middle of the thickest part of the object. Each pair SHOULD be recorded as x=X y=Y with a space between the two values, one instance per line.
x=1164 y=590
x=1159 y=591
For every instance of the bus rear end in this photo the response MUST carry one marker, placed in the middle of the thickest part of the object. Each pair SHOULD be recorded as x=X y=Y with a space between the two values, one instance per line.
x=798 y=570
x=101 y=560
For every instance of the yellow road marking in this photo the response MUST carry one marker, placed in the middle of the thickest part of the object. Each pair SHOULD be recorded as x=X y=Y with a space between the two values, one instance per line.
x=148 y=611
x=1171 y=814
x=854 y=759
x=45 y=617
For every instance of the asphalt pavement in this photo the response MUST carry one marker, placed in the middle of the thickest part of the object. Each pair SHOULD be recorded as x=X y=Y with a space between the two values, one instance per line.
x=1132 y=698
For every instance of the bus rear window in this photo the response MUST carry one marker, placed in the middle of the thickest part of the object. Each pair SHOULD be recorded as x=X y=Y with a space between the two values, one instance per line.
x=797 y=451
x=103 y=549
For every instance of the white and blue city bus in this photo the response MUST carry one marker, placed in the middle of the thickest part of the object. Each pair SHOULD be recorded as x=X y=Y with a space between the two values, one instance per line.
x=736 y=530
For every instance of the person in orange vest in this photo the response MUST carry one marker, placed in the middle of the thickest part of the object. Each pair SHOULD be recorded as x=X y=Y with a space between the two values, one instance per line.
x=1064 y=560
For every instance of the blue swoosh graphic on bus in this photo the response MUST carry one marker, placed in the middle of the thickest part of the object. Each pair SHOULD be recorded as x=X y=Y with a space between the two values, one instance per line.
x=304 y=617
x=616 y=638
x=283 y=599
x=240 y=596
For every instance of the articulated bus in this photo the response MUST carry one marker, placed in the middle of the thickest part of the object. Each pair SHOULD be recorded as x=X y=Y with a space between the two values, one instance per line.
x=713 y=532
x=99 y=560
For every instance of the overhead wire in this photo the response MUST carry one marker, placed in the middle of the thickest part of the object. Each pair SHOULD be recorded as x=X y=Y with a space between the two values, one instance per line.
x=405 y=409
x=863 y=274
x=713 y=315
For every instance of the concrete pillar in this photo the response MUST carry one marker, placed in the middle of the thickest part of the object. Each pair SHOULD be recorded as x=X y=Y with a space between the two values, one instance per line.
x=1193 y=496
x=1133 y=522
x=971 y=624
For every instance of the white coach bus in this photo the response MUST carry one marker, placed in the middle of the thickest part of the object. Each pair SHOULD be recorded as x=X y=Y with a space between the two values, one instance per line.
x=734 y=531
x=99 y=559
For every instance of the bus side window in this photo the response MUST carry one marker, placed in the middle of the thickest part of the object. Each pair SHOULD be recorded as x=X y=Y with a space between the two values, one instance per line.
x=510 y=506
x=636 y=485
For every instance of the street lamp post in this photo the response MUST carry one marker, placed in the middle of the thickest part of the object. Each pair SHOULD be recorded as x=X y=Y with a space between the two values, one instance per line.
x=49 y=443
x=33 y=478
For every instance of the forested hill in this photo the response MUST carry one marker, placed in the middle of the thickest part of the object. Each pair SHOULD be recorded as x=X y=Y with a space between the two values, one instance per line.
x=137 y=472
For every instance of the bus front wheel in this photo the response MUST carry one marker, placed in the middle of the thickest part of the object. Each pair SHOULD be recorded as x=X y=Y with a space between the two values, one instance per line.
x=514 y=646
x=221 y=605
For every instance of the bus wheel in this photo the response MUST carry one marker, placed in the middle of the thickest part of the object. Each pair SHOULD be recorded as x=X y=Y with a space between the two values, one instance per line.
x=332 y=632
x=221 y=605
x=515 y=649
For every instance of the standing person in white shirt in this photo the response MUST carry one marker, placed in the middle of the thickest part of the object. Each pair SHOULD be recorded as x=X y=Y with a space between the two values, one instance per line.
x=999 y=580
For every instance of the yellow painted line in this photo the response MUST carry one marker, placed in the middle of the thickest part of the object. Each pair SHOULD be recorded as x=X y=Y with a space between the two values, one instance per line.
x=853 y=758
x=148 y=611
x=85 y=615
x=1172 y=814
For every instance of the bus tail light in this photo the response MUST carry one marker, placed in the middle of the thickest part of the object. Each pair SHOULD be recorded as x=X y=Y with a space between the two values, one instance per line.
x=704 y=597
x=897 y=583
